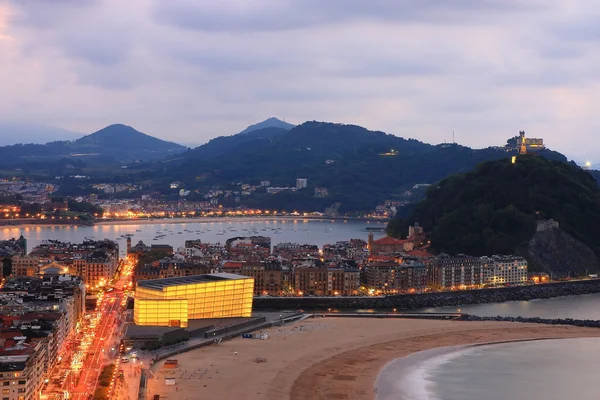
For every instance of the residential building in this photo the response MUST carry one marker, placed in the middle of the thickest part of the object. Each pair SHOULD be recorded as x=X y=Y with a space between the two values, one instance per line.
x=504 y=270
x=394 y=276
x=94 y=261
x=301 y=183
x=326 y=281
x=170 y=268
x=26 y=265
x=269 y=276
x=459 y=272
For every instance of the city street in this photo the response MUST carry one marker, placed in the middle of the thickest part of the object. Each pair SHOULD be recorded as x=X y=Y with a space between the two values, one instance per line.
x=100 y=340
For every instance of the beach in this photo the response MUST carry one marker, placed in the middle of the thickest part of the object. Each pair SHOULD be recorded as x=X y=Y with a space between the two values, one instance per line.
x=327 y=358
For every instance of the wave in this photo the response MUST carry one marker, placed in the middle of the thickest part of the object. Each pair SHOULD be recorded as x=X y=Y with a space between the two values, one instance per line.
x=409 y=378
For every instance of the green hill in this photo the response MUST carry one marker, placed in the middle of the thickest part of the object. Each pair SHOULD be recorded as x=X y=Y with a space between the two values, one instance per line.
x=360 y=168
x=495 y=208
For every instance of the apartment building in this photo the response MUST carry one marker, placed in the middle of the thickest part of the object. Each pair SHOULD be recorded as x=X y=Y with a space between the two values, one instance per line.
x=504 y=270
x=456 y=272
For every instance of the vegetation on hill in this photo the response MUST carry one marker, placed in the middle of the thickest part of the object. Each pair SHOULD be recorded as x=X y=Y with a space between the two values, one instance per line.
x=495 y=208
x=360 y=168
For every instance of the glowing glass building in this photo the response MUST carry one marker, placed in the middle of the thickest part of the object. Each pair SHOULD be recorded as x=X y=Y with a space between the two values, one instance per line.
x=174 y=301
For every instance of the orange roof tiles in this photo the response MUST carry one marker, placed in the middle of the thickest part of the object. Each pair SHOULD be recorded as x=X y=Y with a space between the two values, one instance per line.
x=389 y=240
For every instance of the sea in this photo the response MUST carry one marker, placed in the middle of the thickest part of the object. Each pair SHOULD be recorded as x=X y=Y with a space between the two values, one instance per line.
x=303 y=231
x=555 y=369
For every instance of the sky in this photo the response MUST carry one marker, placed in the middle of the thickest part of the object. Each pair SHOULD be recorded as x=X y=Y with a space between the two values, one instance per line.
x=191 y=70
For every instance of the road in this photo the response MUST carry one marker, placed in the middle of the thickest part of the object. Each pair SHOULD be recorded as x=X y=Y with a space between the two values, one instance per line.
x=102 y=333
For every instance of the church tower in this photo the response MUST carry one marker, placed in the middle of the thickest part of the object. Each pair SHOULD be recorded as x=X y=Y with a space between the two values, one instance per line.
x=522 y=144
x=370 y=243
x=128 y=245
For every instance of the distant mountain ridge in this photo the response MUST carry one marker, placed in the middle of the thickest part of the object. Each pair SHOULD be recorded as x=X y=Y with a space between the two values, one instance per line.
x=358 y=167
x=115 y=143
x=13 y=132
x=269 y=123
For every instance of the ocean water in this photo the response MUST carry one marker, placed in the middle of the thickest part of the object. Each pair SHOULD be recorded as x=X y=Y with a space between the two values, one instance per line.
x=555 y=369
x=577 y=307
x=303 y=231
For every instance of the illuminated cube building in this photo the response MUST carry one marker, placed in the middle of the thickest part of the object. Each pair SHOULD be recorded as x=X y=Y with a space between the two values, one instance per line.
x=174 y=301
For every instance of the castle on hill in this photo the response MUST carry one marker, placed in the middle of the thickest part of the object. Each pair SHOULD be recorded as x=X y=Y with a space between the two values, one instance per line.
x=523 y=145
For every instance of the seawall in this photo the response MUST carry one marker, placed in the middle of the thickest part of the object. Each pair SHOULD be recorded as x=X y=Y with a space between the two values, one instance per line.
x=426 y=300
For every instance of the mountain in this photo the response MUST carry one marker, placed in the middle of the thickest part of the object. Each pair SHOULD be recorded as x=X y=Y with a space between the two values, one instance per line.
x=268 y=123
x=12 y=132
x=132 y=144
x=114 y=144
x=226 y=144
x=496 y=208
x=359 y=168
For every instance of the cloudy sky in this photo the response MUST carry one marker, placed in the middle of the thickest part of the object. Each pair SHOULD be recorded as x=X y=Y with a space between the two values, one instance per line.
x=190 y=70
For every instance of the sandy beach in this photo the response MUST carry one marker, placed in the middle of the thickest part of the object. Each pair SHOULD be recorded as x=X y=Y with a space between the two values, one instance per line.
x=327 y=358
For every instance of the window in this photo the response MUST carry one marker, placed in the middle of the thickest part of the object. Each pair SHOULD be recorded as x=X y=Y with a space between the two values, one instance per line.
x=5 y=391
x=22 y=382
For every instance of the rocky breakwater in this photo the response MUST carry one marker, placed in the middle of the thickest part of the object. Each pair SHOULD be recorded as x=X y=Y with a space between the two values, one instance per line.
x=426 y=300
x=588 y=323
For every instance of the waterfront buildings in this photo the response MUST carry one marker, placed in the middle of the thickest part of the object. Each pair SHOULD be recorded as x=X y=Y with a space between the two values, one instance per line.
x=174 y=301
x=393 y=276
x=326 y=281
x=459 y=272
x=504 y=270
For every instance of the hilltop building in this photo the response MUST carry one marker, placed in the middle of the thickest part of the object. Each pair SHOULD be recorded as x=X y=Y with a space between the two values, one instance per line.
x=522 y=144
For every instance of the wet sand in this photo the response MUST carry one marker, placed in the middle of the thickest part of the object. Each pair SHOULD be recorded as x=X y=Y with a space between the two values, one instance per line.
x=327 y=358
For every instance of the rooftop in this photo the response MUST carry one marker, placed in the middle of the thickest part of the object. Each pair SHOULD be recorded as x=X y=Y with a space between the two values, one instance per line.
x=159 y=284
x=386 y=240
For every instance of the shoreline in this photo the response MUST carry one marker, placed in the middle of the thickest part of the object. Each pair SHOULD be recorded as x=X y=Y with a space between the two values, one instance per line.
x=389 y=382
x=322 y=358
x=188 y=220
x=318 y=383
x=192 y=220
